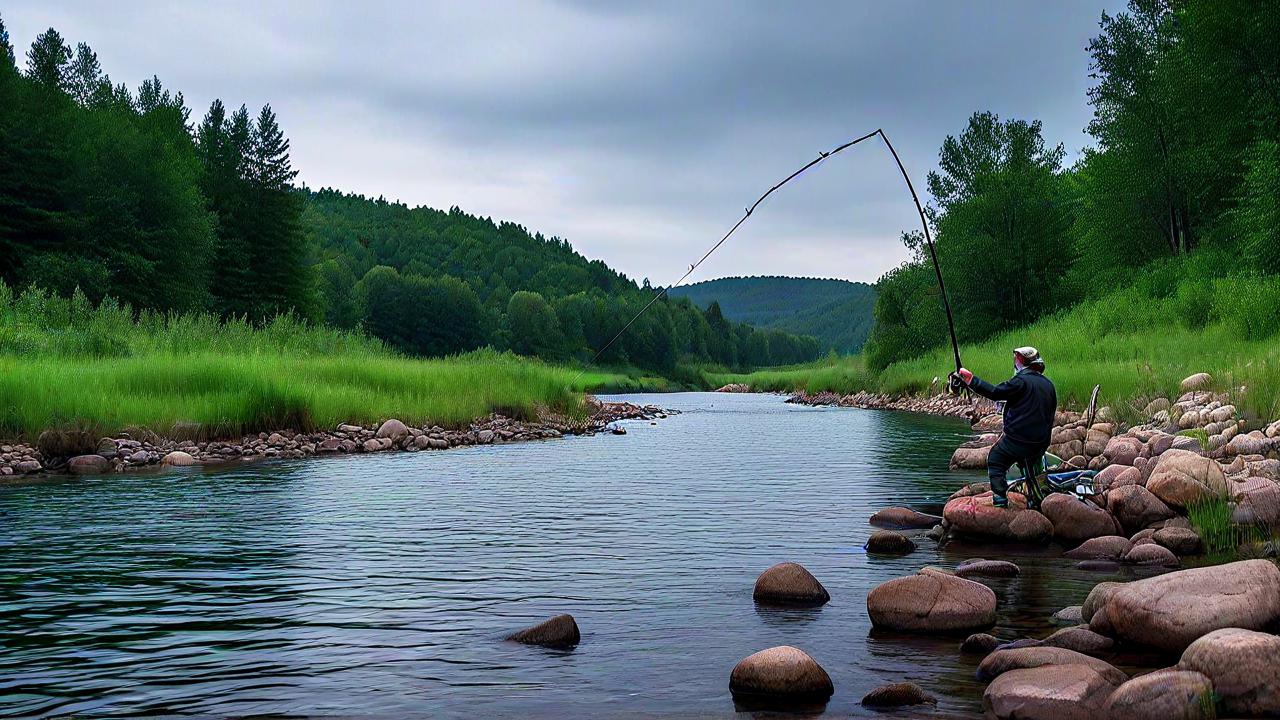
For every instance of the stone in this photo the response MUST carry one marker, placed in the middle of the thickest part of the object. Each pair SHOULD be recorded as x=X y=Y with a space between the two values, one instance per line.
x=1081 y=639
x=781 y=672
x=178 y=458
x=1188 y=443
x=1070 y=615
x=1257 y=502
x=1198 y=381
x=888 y=542
x=1244 y=667
x=393 y=430
x=1051 y=692
x=1182 y=478
x=422 y=442
x=1136 y=507
x=1098 y=565
x=789 y=583
x=1109 y=547
x=1074 y=519
x=1114 y=476
x=560 y=631
x=970 y=458
x=931 y=601
x=975 y=516
x=900 y=518
x=979 y=644
x=141 y=457
x=1004 y=660
x=485 y=436
x=897 y=695
x=1157 y=405
x=1097 y=600
x=1162 y=695
x=88 y=465
x=276 y=440
x=1151 y=553
x=1170 y=611
x=1123 y=450
x=371 y=445
x=987 y=568
x=1179 y=540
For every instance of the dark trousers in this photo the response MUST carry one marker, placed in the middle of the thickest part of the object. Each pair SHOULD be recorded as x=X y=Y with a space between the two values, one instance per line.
x=1004 y=455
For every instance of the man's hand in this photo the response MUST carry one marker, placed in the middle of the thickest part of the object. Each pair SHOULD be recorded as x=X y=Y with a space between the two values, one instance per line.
x=966 y=375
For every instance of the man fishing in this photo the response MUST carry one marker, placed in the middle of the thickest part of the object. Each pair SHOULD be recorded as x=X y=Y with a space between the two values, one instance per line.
x=1030 y=403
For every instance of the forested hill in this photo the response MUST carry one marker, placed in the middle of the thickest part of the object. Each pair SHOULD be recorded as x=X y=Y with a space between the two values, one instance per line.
x=836 y=312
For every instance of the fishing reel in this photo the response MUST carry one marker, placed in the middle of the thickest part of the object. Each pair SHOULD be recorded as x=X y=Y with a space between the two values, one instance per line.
x=956 y=386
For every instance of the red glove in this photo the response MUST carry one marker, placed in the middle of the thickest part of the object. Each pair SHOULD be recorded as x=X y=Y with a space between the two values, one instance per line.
x=966 y=375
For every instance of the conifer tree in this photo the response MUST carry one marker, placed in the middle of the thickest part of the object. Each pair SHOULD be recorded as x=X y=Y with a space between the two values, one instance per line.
x=84 y=76
x=48 y=60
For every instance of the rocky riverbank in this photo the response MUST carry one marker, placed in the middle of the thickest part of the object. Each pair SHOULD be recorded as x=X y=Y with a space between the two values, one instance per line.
x=83 y=453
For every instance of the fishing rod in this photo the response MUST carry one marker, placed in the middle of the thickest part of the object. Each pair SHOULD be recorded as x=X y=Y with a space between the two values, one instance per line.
x=822 y=156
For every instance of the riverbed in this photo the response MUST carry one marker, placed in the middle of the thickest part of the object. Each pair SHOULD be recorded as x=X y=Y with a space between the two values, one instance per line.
x=383 y=585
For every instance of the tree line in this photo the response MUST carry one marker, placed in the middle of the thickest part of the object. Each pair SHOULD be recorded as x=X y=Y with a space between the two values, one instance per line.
x=1186 y=103
x=121 y=194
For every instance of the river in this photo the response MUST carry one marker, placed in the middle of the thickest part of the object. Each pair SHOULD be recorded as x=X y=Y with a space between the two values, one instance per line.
x=383 y=585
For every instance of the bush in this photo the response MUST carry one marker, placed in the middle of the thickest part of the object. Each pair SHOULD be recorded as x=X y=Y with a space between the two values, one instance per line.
x=1249 y=306
x=1194 y=303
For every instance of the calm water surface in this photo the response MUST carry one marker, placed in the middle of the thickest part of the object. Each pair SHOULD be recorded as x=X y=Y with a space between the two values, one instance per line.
x=383 y=585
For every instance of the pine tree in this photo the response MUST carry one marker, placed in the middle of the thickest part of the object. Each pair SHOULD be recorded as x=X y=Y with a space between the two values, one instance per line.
x=84 y=76
x=6 y=48
x=281 y=273
x=48 y=60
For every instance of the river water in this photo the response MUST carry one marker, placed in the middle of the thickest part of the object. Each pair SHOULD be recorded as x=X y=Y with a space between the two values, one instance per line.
x=383 y=585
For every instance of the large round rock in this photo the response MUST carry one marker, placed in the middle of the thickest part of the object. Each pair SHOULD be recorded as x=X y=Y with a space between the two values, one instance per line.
x=1183 y=478
x=781 y=672
x=560 y=631
x=1050 y=692
x=976 y=516
x=1136 y=507
x=1081 y=639
x=1075 y=519
x=1171 y=611
x=1244 y=667
x=1110 y=547
x=900 y=694
x=789 y=583
x=1162 y=695
x=900 y=518
x=88 y=465
x=888 y=542
x=1003 y=660
x=932 y=601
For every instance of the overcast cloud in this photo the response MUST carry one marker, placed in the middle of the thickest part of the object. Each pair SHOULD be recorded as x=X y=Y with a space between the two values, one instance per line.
x=638 y=132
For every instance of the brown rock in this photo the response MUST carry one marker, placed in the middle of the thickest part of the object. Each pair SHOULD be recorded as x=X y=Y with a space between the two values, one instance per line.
x=1116 y=475
x=979 y=644
x=1257 y=502
x=1151 y=553
x=897 y=695
x=1244 y=667
x=1004 y=660
x=1198 y=381
x=931 y=601
x=789 y=583
x=780 y=672
x=1182 y=478
x=1074 y=519
x=1162 y=695
x=987 y=568
x=88 y=465
x=888 y=542
x=1179 y=540
x=1136 y=507
x=560 y=631
x=1050 y=692
x=1170 y=611
x=975 y=516
x=1109 y=547
x=900 y=518
x=1123 y=450
x=1070 y=615
x=970 y=458
x=393 y=430
x=178 y=458
x=1081 y=639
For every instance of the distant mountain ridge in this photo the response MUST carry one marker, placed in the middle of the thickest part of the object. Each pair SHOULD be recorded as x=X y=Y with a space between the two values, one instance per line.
x=837 y=312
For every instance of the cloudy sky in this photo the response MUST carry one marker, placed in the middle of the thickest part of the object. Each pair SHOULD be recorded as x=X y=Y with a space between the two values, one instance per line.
x=637 y=131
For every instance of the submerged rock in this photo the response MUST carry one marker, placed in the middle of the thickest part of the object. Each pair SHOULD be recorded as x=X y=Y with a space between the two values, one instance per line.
x=975 y=516
x=1004 y=660
x=900 y=518
x=1151 y=553
x=560 y=631
x=1171 y=611
x=1049 y=692
x=979 y=644
x=1081 y=639
x=888 y=542
x=1109 y=547
x=1244 y=667
x=1162 y=695
x=897 y=695
x=789 y=583
x=1070 y=615
x=780 y=672
x=931 y=601
x=987 y=568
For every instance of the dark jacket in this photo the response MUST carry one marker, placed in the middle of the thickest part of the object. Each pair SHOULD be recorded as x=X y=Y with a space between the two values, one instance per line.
x=1030 y=404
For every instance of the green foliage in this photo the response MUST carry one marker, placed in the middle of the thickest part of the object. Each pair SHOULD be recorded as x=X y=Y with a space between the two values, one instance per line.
x=532 y=325
x=1257 y=217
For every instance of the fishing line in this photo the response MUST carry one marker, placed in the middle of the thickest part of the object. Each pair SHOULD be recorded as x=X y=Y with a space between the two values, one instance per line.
x=822 y=156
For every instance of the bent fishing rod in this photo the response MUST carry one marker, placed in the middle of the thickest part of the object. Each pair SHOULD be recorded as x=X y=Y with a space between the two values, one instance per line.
x=822 y=156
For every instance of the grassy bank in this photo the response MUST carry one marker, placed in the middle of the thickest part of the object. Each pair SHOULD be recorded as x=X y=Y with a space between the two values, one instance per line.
x=65 y=363
x=1134 y=345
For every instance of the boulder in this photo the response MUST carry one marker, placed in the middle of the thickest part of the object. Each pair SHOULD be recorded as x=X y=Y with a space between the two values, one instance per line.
x=900 y=518
x=993 y=422
x=1114 y=476
x=1081 y=639
x=931 y=601
x=1070 y=615
x=987 y=568
x=970 y=458
x=897 y=695
x=789 y=583
x=1182 y=478
x=1074 y=519
x=393 y=430
x=1170 y=611
x=1108 y=566
x=1199 y=381
x=1151 y=553
x=975 y=516
x=1244 y=667
x=1180 y=540
x=1005 y=659
x=1049 y=692
x=178 y=458
x=1188 y=443
x=979 y=644
x=1257 y=502
x=1136 y=507
x=1160 y=443
x=1157 y=405
x=1109 y=547
x=782 y=672
x=1123 y=450
x=560 y=631
x=88 y=465
x=1162 y=695
x=1095 y=603
x=888 y=542
x=25 y=467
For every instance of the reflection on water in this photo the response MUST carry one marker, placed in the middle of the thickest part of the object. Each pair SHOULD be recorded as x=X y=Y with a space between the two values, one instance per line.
x=382 y=585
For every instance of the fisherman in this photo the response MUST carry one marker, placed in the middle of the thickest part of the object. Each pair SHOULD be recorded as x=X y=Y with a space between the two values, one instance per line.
x=1030 y=402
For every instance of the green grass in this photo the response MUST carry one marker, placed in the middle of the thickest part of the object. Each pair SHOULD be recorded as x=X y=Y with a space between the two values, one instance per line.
x=67 y=364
